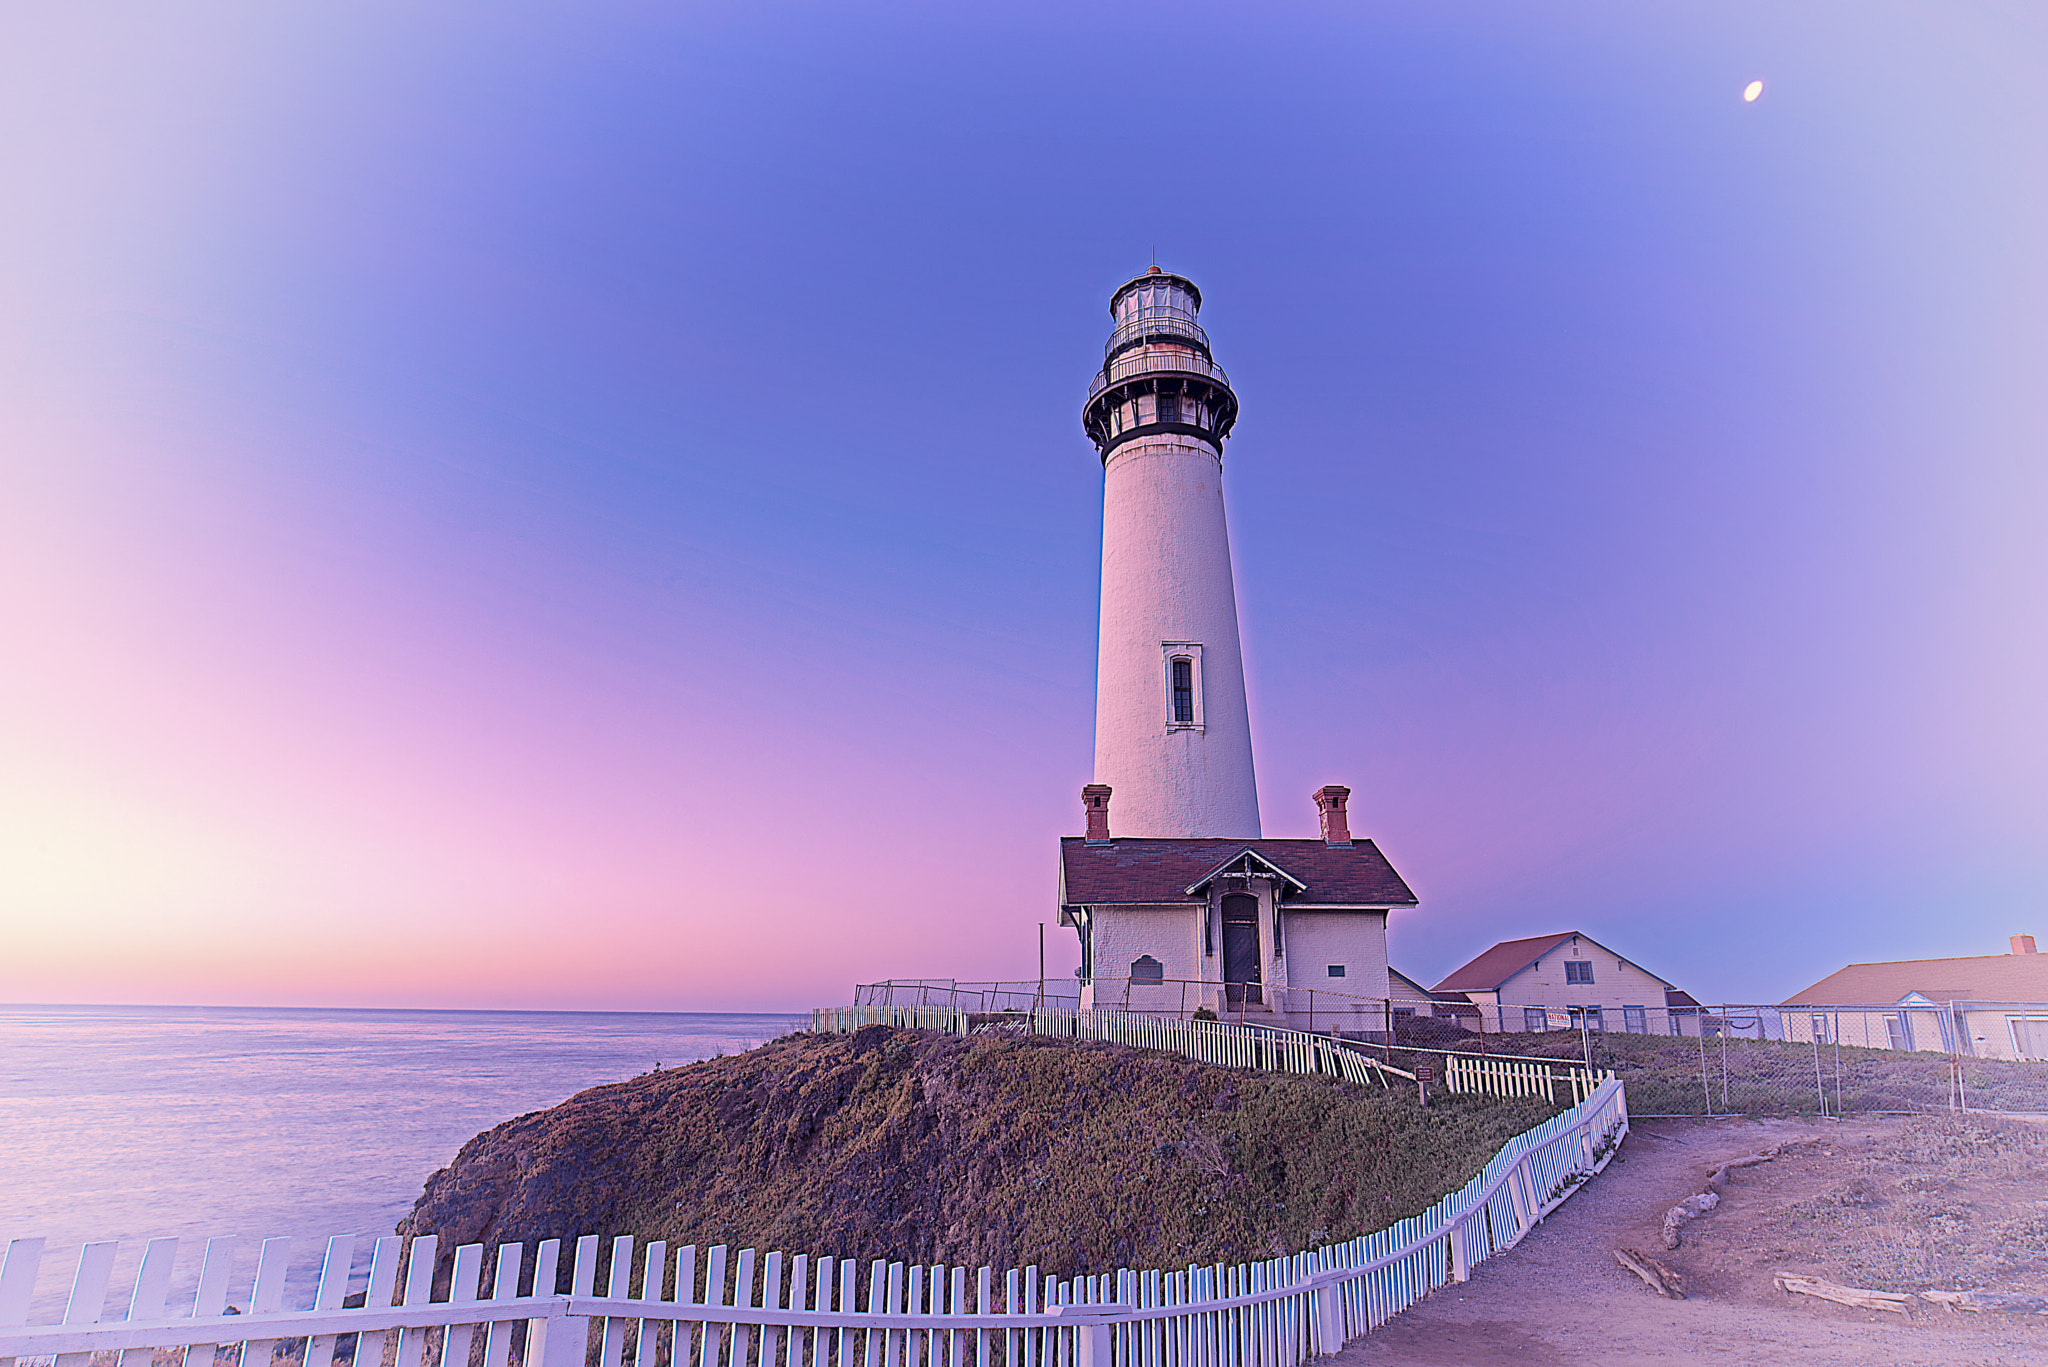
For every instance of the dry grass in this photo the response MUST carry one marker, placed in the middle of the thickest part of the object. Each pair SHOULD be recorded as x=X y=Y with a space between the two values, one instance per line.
x=987 y=1150
x=1947 y=1202
x=1677 y=1075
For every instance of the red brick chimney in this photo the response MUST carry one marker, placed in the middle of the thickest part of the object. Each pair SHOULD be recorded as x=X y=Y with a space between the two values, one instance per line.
x=1330 y=800
x=1095 y=801
x=2023 y=944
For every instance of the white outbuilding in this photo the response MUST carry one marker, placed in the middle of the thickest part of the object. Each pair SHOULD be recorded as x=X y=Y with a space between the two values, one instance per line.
x=1285 y=932
x=1570 y=981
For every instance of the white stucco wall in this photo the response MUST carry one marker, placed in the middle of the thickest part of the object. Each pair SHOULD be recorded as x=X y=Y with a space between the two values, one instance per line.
x=1616 y=984
x=1356 y=939
x=1998 y=1032
x=1166 y=578
x=1310 y=941
x=1171 y=934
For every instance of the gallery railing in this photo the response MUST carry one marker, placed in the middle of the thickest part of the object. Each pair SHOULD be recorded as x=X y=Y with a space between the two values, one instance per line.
x=1148 y=362
x=1154 y=325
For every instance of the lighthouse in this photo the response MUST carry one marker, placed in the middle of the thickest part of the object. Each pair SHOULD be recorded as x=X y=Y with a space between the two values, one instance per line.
x=1179 y=904
x=1173 y=739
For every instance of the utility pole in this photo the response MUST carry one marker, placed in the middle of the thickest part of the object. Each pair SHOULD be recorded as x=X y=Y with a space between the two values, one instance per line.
x=1040 y=1004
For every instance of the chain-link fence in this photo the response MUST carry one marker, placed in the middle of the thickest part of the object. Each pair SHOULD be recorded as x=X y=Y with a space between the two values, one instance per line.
x=1965 y=1029
x=1743 y=1064
x=975 y=998
x=1731 y=1059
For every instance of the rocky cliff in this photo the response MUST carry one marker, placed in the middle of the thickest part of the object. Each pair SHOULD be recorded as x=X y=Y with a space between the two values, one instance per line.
x=992 y=1149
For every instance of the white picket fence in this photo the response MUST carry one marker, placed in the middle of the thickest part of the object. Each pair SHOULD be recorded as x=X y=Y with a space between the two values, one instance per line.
x=1223 y=1042
x=1245 y=1046
x=1521 y=1078
x=746 y=1310
x=844 y=1020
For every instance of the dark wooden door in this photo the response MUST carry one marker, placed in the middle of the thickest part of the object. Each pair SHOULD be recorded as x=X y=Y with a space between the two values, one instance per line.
x=1241 y=976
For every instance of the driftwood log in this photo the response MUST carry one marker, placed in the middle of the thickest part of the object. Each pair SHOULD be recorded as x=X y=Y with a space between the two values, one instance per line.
x=1692 y=1207
x=1720 y=1174
x=1660 y=1278
x=1862 y=1298
x=1988 y=1300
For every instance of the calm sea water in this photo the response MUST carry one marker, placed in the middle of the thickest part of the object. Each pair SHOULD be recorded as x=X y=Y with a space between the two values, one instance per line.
x=132 y=1122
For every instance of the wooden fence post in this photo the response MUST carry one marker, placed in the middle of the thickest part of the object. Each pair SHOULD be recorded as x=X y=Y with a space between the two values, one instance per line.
x=1460 y=1269
x=1522 y=1193
x=1094 y=1344
x=560 y=1343
x=1094 y=1335
x=1329 y=1323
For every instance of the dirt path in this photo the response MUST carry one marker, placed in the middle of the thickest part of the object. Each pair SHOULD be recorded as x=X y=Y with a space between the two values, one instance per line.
x=1559 y=1298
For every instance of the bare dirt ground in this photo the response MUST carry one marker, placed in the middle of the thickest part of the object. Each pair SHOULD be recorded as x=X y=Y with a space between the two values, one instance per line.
x=1902 y=1204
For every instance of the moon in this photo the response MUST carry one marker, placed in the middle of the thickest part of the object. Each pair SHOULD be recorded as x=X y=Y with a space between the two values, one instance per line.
x=1751 y=91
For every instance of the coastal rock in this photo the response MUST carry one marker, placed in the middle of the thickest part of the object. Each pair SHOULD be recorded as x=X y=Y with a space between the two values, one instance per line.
x=998 y=1150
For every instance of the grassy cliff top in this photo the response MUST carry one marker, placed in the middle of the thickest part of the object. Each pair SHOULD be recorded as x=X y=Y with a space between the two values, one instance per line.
x=995 y=1150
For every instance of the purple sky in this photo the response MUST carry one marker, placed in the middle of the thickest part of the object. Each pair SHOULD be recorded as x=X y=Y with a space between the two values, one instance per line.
x=550 y=505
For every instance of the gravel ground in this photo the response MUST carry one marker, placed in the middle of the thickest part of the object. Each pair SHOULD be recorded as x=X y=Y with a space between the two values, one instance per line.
x=1895 y=1204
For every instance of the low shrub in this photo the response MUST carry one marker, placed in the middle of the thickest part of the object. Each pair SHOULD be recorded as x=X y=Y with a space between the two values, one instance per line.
x=991 y=1149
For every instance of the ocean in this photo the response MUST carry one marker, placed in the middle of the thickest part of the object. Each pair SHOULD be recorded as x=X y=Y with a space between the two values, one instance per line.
x=132 y=1122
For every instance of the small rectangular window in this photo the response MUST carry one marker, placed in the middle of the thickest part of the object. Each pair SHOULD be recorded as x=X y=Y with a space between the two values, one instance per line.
x=1336 y=970
x=2029 y=1036
x=1899 y=1029
x=1635 y=1020
x=1169 y=408
x=1578 y=970
x=1535 y=1019
x=1183 y=692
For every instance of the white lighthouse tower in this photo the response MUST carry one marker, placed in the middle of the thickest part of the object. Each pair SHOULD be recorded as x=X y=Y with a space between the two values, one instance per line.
x=1173 y=737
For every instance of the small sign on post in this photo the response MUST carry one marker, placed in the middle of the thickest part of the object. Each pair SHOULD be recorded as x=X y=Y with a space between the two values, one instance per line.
x=1425 y=1073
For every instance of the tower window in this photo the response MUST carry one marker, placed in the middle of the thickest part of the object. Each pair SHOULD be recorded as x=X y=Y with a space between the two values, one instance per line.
x=1169 y=408
x=1180 y=671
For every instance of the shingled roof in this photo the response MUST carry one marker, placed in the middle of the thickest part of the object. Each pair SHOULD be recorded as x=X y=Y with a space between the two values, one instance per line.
x=1500 y=963
x=1453 y=1000
x=1981 y=978
x=1493 y=968
x=1152 y=872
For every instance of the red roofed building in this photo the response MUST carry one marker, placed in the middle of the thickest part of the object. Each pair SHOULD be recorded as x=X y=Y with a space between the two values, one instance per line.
x=1287 y=931
x=1568 y=980
x=1985 y=1005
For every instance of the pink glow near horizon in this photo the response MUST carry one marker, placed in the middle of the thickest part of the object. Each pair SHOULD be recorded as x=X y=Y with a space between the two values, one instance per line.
x=424 y=586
